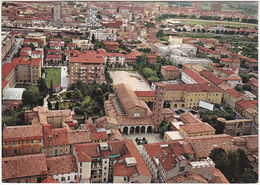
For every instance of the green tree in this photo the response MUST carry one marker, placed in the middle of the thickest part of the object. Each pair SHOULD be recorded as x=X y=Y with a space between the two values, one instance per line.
x=28 y=98
x=93 y=39
x=57 y=105
x=42 y=86
x=220 y=158
x=49 y=105
x=51 y=89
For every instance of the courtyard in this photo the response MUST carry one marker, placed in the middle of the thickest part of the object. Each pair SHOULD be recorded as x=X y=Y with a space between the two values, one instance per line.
x=53 y=74
x=150 y=138
x=131 y=78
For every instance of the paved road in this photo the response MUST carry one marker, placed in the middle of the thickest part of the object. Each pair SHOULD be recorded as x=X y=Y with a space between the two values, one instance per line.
x=18 y=43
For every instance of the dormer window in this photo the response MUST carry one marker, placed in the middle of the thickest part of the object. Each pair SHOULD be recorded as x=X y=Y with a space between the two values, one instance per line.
x=50 y=137
x=56 y=134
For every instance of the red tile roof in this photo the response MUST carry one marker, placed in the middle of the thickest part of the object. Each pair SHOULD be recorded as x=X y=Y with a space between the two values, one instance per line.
x=59 y=136
x=226 y=71
x=211 y=77
x=194 y=75
x=205 y=144
x=170 y=68
x=144 y=93
x=99 y=136
x=253 y=81
x=37 y=52
x=4 y=84
x=247 y=103
x=23 y=166
x=248 y=59
x=85 y=153
x=53 y=56
x=165 y=154
x=61 y=164
x=49 y=179
x=234 y=93
x=230 y=60
x=36 y=62
x=110 y=43
x=189 y=118
x=197 y=128
x=7 y=68
x=206 y=87
x=87 y=56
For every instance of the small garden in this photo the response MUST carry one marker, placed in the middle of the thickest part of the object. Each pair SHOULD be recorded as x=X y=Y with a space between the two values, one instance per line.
x=52 y=74
x=141 y=141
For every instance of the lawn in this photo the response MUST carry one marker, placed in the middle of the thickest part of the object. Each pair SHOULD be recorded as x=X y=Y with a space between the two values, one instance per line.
x=213 y=23
x=54 y=75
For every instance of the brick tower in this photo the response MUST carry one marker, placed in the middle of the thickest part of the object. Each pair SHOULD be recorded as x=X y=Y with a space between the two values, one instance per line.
x=158 y=104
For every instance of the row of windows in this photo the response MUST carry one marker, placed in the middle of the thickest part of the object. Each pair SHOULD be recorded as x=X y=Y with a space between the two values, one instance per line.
x=26 y=142
x=63 y=178
x=27 y=151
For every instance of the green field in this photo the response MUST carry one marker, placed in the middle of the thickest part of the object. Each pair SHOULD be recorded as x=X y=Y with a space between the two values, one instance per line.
x=213 y=23
x=52 y=74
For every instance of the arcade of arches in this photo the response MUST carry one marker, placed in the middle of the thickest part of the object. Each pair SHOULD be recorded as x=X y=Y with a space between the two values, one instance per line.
x=136 y=129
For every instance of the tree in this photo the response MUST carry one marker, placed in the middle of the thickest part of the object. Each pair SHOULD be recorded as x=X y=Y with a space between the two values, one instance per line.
x=220 y=158
x=28 y=98
x=164 y=126
x=93 y=39
x=49 y=105
x=42 y=86
x=57 y=105
x=51 y=89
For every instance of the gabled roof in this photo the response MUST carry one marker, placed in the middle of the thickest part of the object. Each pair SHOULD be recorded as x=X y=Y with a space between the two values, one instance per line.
x=170 y=68
x=61 y=165
x=234 y=93
x=24 y=166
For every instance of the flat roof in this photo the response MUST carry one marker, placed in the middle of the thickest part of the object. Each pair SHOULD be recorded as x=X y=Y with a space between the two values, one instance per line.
x=14 y=94
x=174 y=135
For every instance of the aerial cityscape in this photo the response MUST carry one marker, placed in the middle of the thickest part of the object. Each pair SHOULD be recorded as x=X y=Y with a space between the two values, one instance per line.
x=129 y=92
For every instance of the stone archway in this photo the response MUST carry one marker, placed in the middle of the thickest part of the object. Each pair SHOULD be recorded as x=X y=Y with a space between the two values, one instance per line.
x=125 y=130
x=132 y=130
x=137 y=130
x=143 y=129
x=149 y=129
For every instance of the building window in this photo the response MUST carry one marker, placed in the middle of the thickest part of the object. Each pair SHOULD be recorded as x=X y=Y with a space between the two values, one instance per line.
x=27 y=142
x=18 y=142
x=80 y=164
x=32 y=141
x=13 y=142
x=182 y=169
x=68 y=178
x=80 y=171
x=62 y=178
x=75 y=177
x=6 y=143
x=14 y=152
x=136 y=114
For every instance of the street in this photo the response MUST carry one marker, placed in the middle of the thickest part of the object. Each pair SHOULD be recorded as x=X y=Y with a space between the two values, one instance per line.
x=18 y=43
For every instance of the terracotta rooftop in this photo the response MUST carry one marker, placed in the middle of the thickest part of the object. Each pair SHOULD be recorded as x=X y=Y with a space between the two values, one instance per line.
x=247 y=103
x=164 y=154
x=253 y=81
x=205 y=87
x=99 y=136
x=187 y=177
x=127 y=96
x=22 y=132
x=234 y=93
x=252 y=142
x=204 y=144
x=189 y=118
x=230 y=60
x=125 y=148
x=78 y=136
x=194 y=75
x=23 y=166
x=54 y=137
x=88 y=56
x=218 y=177
x=144 y=93
x=197 y=128
x=49 y=179
x=226 y=71
x=61 y=164
x=211 y=77
x=170 y=68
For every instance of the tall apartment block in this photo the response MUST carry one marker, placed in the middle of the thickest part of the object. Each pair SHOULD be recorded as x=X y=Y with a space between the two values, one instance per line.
x=91 y=20
x=88 y=67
